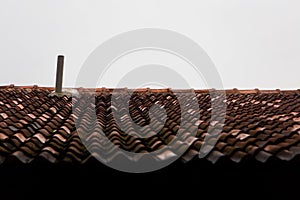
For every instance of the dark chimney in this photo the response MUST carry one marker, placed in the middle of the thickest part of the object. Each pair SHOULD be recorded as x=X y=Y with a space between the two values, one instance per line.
x=59 y=74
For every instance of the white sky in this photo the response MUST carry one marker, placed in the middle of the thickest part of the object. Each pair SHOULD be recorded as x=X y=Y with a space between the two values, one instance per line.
x=253 y=43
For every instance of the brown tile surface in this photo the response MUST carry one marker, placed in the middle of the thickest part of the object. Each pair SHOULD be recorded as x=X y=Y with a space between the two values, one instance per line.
x=259 y=125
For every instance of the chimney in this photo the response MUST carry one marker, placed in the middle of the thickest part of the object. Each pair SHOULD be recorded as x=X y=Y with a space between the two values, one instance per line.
x=59 y=80
x=59 y=74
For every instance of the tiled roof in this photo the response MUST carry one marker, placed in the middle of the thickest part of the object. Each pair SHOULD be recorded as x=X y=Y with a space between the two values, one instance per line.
x=259 y=125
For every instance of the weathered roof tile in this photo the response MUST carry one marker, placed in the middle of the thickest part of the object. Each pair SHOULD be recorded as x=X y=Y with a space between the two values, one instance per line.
x=259 y=125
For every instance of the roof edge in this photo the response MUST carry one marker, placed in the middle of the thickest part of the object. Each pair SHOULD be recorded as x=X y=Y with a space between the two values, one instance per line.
x=162 y=90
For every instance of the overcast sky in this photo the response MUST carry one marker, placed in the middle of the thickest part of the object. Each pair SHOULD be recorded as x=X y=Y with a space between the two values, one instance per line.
x=253 y=43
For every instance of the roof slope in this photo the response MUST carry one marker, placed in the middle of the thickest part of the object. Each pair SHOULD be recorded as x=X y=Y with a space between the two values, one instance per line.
x=259 y=125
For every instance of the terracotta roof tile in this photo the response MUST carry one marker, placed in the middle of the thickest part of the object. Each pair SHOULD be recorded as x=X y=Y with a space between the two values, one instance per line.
x=259 y=125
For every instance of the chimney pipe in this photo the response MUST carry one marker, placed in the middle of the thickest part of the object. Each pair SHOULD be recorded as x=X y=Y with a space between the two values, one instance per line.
x=59 y=74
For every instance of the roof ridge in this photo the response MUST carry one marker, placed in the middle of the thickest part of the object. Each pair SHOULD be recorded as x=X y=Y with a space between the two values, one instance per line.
x=163 y=90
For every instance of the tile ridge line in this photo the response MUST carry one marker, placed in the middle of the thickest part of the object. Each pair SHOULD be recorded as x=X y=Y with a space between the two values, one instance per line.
x=162 y=90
